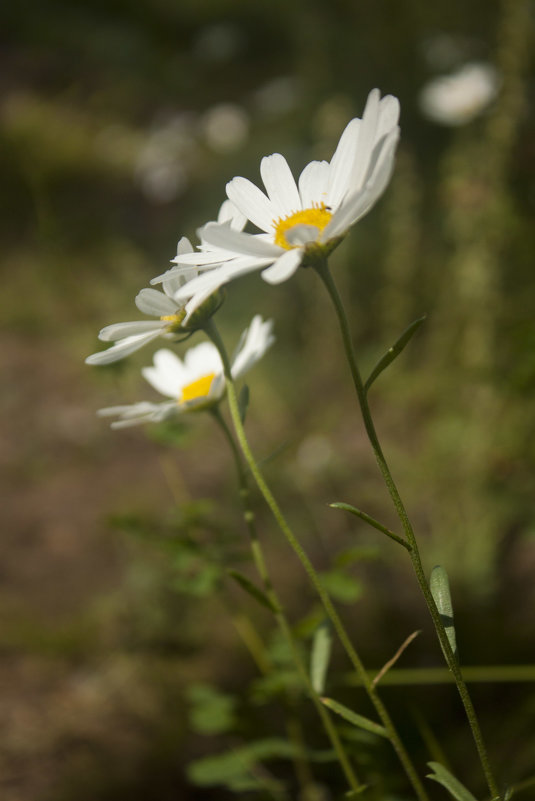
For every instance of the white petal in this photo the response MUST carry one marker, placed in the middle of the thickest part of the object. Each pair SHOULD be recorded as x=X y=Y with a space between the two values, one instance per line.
x=302 y=234
x=200 y=257
x=280 y=185
x=313 y=183
x=353 y=207
x=176 y=280
x=388 y=115
x=228 y=213
x=168 y=374
x=284 y=267
x=122 y=349
x=184 y=246
x=238 y=242
x=367 y=139
x=120 y=330
x=202 y=360
x=150 y=301
x=253 y=344
x=252 y=202
x=342 y=162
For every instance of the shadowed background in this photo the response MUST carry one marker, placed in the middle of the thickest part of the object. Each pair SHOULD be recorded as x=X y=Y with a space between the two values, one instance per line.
x=119 y=125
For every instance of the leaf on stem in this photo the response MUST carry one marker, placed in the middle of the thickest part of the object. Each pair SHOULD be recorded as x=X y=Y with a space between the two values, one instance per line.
x=253 y=590
x=393 y=352
x=440 y=590
x=391 y=662
x=243 y=402
x=346 y=507
x=321 y=655
x=352 y=717
x=443 y=776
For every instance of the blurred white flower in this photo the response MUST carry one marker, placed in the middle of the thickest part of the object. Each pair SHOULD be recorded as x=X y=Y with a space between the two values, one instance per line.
x=307 y=219
x=197 y=382
x=460 y=97
x=225 y=127
x=164 y=163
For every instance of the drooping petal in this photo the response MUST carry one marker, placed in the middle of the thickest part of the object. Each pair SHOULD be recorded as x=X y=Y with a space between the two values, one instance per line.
x=313 y=184
x=238 y=242
x=151 y=301
x=284 y=267
x=122 y=349
x=280 y=185
x=120 y=330
x=252 y=202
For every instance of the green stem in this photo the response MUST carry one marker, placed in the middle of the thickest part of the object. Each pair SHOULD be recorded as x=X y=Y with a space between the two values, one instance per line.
x=339 y=627
x=282 y=620
x=323 y=271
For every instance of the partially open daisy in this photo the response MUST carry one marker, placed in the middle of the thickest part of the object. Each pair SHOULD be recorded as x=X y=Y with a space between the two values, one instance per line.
x=301 y=221
x=171 y=317
x=197 y=382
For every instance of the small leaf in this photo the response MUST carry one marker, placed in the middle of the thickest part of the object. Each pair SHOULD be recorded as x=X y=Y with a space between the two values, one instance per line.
x=243 y=402
x=253 y=590
x=352 y=717
x=440 y=590
x=343 y=588
x=394 y=351
x=346 y=507
x=447 y=780
x=321 y=654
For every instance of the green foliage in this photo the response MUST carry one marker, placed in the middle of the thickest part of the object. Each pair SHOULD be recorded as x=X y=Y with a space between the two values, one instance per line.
x=354 y=718
x=320 y=656
x=252 y=590
x=393 y=352
x=211 y=711
x=440 y=589
x=443 y=776
x=343 y=587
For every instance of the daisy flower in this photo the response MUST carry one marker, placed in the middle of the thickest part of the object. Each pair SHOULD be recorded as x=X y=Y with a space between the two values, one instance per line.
x=459 y=98
x=304 y=220
x=197 y=382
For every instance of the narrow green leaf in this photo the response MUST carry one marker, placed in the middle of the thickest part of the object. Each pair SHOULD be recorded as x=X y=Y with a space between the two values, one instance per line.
x=355 y=793
x=440 y=590
x=352 y=717
x=346 y=507
x=253 y=590
x=321 y=654
x=394 y=351
x=243 y=402
x=447 y=780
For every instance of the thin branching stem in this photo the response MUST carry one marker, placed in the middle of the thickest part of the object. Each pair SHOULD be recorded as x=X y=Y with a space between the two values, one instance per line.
x=323 y=271
x=421 y=793
x=282 y=620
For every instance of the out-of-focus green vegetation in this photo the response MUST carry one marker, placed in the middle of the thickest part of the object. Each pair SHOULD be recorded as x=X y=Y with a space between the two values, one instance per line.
x=119 y=125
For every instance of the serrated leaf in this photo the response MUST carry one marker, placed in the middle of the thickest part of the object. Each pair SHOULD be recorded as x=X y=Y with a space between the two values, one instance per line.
x=393 y=352
x=443 y=776
x=352 y=717
x=320 y=657
x=440 y=590
x=253 y=590
x=243 y=402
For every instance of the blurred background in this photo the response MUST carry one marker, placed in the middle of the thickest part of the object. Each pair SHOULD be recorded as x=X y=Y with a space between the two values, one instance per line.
x=126 y=656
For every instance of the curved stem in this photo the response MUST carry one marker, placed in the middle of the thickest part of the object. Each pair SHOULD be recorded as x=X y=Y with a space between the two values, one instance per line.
x=282 y=620
x=323 y=271
x=328 y=605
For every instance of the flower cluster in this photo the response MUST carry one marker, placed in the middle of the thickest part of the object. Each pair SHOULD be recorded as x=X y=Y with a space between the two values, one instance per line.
x=299 y=222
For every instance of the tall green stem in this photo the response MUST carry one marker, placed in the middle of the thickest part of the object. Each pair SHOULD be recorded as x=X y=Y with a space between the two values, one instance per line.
x=323 y=271
x=282 y=620
x=335 y=619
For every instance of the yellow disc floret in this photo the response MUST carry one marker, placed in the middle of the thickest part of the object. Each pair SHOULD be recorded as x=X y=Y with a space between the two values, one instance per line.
x=197 y=389
x=318 y=216
x=174 y=320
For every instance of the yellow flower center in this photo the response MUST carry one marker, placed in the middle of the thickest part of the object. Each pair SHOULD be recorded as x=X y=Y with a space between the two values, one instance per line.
x=318 y=216
x=197 y=389
x=175 y=321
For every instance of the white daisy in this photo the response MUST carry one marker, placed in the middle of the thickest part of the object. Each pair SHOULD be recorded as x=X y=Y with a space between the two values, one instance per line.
x=171 y=317
x=303 y=220
x=196 y=382
x=458 y=98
